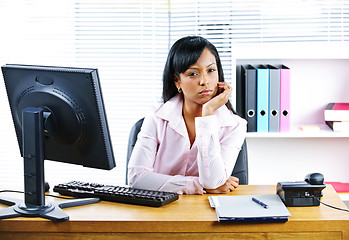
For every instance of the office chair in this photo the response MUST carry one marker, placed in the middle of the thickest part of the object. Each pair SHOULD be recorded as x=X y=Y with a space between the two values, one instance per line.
x=240 y=169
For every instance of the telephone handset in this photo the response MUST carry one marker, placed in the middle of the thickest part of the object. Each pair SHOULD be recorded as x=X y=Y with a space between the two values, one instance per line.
x=314 y=178
x=302 y=193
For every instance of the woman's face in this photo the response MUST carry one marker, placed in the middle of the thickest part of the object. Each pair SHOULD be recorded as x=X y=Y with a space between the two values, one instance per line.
x=199 y=81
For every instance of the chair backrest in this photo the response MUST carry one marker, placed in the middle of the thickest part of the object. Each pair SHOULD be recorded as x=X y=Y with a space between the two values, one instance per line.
x=240 y=169
x=241 y=165
x=132 y=139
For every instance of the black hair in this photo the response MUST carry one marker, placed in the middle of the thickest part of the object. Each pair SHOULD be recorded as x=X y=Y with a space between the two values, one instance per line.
x=184 y=53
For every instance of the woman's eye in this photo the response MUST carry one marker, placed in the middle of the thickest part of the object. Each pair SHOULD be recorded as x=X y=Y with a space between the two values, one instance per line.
x=192 y=74
x=212 y=70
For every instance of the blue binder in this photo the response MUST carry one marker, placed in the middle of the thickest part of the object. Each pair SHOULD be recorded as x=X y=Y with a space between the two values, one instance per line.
x=262 y=99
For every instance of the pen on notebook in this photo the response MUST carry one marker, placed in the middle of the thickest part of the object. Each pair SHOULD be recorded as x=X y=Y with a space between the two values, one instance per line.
x=259 y=202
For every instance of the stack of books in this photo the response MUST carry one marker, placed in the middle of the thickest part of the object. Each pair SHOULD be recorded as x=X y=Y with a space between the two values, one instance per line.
x=263 y=97
x=342 y=188
x=337 y=116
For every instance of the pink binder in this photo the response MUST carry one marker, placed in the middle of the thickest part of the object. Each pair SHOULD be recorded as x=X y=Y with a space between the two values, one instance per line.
x=285 y=87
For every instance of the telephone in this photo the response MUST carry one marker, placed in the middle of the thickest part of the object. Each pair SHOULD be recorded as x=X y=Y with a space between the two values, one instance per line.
x=302 y=193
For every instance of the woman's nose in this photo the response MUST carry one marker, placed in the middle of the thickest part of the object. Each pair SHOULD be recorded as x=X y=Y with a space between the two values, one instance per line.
x=203 y=80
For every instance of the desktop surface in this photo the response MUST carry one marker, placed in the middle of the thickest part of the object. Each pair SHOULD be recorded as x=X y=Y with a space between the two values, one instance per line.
x=190 y=217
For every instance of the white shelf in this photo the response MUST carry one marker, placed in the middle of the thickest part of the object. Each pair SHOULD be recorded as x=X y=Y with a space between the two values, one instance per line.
x=319 y=75
x=314 y=84
x=295 y=132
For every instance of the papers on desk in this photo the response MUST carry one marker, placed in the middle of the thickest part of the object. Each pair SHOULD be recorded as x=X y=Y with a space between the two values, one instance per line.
x=243 y=209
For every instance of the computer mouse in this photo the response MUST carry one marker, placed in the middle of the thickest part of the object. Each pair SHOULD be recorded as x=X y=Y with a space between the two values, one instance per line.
x=315 y=178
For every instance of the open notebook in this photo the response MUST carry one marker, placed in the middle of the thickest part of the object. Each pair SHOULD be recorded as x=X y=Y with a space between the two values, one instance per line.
x=243 y=209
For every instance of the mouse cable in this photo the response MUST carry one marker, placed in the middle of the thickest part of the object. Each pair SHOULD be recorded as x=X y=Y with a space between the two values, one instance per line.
x=47 y=195
x=328 y=205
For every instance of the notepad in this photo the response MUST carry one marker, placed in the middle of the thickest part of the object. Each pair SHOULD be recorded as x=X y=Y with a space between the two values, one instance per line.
x=243 y=209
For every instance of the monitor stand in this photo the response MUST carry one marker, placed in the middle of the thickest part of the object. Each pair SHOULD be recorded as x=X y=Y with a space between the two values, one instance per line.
x=34 y=194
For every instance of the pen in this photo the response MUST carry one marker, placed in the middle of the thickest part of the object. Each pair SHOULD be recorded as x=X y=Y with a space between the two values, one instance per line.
x=259 y=202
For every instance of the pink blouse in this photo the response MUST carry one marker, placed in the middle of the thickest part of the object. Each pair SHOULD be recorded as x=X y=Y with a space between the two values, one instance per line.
x=162 y=158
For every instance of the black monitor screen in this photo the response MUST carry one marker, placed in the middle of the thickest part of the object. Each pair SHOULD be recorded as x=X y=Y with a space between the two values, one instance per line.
x=75 y=124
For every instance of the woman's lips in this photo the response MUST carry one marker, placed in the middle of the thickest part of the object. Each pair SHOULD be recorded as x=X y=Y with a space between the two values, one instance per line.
x=205 y=92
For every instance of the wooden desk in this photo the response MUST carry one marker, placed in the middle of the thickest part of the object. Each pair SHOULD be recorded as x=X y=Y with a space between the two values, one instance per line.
x=190 y=217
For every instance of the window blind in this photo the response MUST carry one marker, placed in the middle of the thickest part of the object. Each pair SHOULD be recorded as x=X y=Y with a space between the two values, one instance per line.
x=128 y=42
x=290 y=21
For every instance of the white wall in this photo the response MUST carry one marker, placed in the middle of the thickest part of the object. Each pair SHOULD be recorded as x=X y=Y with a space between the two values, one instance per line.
x=272 y=160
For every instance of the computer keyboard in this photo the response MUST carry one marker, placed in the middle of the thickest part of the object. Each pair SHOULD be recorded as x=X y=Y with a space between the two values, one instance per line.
x=116 y=193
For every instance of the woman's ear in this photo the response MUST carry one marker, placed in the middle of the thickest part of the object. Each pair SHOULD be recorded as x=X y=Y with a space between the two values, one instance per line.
x=177 y=81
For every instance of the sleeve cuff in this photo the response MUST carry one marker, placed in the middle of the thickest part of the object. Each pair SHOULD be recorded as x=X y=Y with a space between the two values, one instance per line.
x=207 y=123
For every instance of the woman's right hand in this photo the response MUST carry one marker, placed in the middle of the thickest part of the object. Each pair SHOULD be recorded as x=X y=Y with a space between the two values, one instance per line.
x=230 y=185
x=219 y=100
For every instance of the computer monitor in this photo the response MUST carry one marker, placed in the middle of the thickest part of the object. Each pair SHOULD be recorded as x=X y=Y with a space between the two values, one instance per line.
x=59 y=115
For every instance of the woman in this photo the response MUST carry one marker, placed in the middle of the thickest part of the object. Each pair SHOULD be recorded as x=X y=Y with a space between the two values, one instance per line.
x=191 y=142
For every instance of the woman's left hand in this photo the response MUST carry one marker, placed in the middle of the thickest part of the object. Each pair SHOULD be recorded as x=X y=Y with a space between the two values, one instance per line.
x=230 y=185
